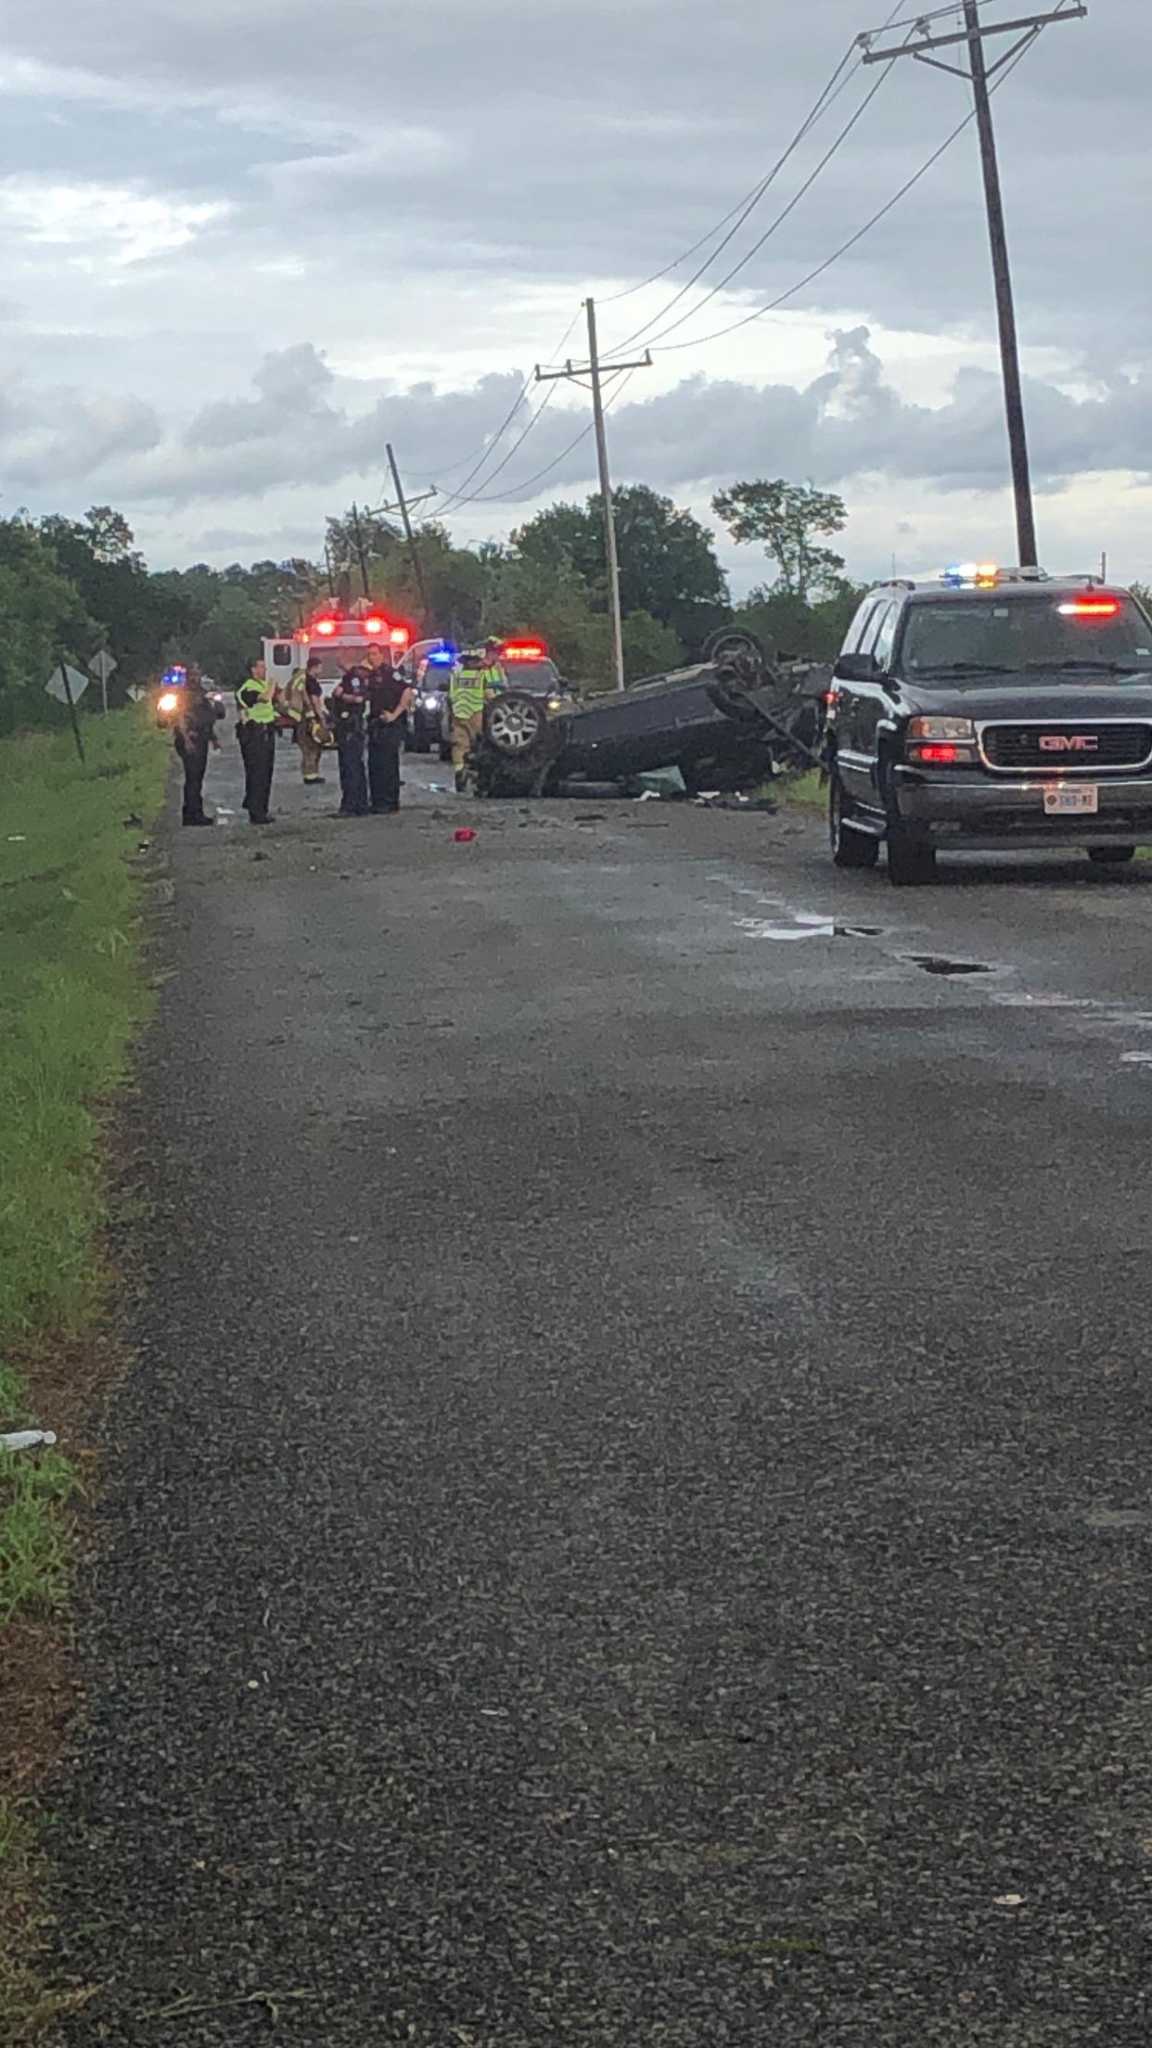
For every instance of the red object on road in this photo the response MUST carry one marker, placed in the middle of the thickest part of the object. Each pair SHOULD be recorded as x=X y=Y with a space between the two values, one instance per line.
x=463 y=834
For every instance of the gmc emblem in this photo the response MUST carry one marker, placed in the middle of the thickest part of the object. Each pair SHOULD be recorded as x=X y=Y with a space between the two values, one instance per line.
x=1069 y=743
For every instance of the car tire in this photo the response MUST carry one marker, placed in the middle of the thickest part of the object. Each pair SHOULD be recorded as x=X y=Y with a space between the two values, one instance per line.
x=420 y=746
x=851 y=848
x=1111 y=856
x=911 y=863
x=516 y=726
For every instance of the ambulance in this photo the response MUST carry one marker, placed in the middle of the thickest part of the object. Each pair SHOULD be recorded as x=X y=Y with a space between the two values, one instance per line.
x=341 y=635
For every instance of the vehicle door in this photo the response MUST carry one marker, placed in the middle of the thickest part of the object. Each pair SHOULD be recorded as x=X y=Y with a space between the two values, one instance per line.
x=872 y=699
x=854 y=723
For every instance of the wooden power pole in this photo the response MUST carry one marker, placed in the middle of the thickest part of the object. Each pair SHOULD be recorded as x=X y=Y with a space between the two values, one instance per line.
x=596 y=371
x=978 y=74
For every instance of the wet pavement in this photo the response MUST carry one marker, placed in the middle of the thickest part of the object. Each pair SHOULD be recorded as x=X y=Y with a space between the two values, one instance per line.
x=631 y=1524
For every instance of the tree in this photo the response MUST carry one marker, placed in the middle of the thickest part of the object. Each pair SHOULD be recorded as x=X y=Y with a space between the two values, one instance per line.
x=668 y=565
x=43 y=617
x=786 y=518
x=649 y=646
x=359 y=529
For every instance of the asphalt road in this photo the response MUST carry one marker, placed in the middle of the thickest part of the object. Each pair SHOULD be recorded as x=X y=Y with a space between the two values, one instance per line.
x=632 y=1522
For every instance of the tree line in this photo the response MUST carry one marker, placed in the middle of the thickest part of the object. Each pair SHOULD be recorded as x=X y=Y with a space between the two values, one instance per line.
x=71 y=587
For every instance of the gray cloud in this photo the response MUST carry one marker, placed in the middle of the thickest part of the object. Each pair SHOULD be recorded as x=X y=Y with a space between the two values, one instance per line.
x=305 y=426
x=395 y=190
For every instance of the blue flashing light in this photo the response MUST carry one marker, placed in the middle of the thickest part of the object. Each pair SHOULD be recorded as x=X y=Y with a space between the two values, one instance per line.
x=442 y=659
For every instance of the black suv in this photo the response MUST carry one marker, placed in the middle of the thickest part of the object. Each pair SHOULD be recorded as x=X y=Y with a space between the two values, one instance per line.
x=991 y=709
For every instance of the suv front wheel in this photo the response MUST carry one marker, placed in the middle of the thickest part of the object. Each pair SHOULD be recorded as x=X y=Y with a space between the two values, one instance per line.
x=911 y=862
x=851 y=848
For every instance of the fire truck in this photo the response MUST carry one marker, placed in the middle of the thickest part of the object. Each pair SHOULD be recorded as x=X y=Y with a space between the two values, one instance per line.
x=341 y=635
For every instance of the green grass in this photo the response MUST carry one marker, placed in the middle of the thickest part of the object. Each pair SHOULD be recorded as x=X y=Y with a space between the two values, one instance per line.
x=807 y=789
x=72 y=997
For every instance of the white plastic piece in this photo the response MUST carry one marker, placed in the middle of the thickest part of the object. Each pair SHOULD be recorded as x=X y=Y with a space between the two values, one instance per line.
x=27 y=1439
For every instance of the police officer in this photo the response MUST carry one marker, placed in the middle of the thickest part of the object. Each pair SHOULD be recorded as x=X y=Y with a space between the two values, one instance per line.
x=346 y=708
x=256 y=733
x=193 y=732
x=389 y=696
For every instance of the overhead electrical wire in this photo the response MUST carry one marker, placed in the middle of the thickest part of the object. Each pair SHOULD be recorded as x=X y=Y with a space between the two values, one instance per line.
x=493 y=443
x=744 y=206
x=583 y=435
x=700 y=341
x=462 y=496
x=831 y=92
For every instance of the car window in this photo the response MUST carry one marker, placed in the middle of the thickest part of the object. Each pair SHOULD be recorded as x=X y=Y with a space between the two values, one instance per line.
x=1022 y=634
x=859 y=626
x=880 y=641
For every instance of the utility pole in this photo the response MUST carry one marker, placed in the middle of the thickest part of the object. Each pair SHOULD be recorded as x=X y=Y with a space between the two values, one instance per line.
x=596 y=371
x=358 y=531
x=978 y=73
x=402 y=506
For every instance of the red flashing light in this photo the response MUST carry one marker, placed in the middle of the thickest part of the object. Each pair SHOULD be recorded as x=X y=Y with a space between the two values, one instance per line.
x=1091 y=608
x=326 y=627
x=373 y=625
x=523 y=650
x=399 y=636
x=938 y=754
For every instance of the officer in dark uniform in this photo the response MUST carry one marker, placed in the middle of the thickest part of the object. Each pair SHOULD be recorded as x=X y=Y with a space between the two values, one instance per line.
x=193 y=733
x=346 y=709
x=388 y=699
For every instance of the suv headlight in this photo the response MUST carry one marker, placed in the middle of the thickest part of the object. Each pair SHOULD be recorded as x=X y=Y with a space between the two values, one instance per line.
x=942 y=742
x=941 y=729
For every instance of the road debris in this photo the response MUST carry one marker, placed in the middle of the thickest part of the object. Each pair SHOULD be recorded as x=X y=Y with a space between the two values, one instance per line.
x=463 y=835
x=28 y=1440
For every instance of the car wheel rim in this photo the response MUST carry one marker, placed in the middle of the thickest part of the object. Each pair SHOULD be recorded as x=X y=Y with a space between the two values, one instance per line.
x=513 y=727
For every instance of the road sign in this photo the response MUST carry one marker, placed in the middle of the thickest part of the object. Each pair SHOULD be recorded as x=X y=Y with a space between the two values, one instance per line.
x=66 y=684
x=103 y=665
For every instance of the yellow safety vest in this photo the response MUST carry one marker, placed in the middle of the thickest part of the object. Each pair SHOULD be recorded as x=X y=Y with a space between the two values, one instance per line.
x=470 y=689
x=254 y=702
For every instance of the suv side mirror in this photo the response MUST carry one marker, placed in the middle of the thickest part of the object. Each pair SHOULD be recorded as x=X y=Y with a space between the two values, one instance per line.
x=855 y=668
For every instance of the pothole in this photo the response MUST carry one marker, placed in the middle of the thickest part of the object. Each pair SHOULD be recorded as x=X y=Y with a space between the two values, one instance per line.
x=934 y=963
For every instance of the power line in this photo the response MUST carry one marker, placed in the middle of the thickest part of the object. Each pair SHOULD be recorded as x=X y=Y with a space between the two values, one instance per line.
x=472 y=497
x=781 y=217
x=827 y=98
x=743 y=207
x=521 y=489
x=718 y=334
x=490 y=446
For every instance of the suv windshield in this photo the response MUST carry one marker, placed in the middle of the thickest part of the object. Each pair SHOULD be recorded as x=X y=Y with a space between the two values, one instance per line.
x=539 y=678
x=1019 y=635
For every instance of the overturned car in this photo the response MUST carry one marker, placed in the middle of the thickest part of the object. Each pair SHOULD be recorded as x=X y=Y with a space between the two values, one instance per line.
x=726 y=723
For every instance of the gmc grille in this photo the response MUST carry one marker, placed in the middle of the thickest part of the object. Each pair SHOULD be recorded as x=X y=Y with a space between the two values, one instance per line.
x=1119 y=745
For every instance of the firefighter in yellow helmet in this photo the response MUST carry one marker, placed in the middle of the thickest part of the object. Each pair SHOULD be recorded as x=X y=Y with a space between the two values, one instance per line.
x=475 y=679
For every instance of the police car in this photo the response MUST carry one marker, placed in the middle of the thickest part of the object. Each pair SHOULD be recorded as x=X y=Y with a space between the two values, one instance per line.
x=991 y=708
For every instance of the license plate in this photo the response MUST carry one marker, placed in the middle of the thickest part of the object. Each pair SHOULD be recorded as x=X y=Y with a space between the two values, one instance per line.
x=1058 y=803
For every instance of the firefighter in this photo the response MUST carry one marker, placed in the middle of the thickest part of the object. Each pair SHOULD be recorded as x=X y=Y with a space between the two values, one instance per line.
x=256 y=719
x=304 y=703
x=469 y=691
x=389 y=697
x=194 y=732
x=346 y=708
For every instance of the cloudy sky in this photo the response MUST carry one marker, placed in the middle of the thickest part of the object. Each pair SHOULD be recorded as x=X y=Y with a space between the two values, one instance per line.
x=244 y=246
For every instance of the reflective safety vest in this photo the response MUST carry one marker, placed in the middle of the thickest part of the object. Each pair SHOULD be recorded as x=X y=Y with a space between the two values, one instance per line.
x=254 y=701
x=470 y=688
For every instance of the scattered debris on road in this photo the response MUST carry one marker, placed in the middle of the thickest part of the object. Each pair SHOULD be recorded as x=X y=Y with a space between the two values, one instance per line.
x=28 y=1440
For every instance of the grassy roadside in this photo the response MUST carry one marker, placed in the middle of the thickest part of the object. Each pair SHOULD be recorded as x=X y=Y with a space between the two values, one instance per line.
x=72 y=996
x=807 y=790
